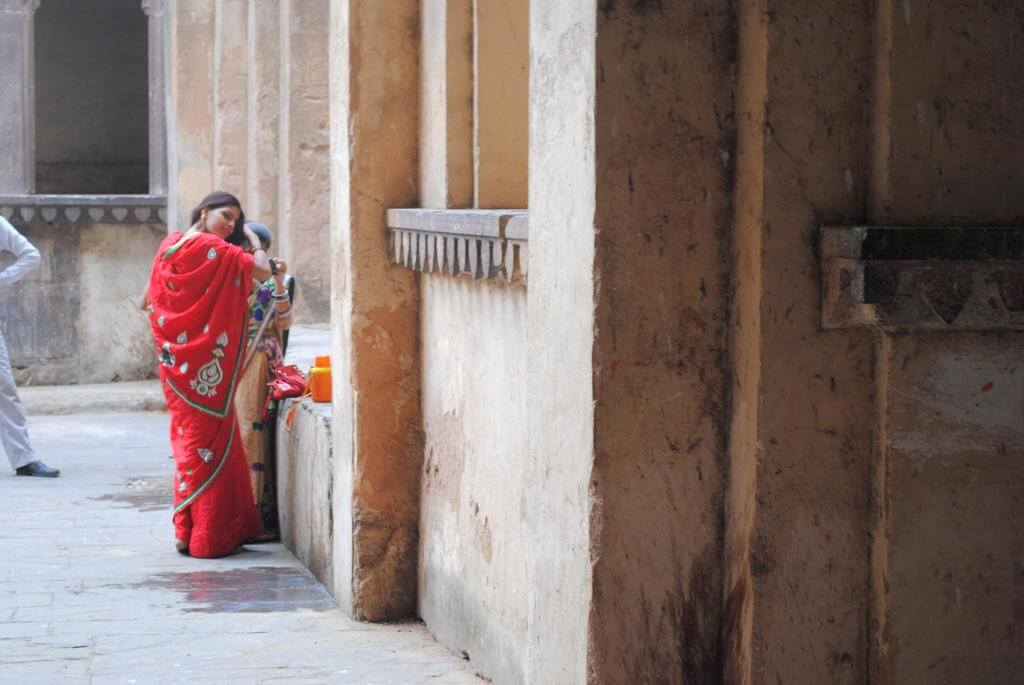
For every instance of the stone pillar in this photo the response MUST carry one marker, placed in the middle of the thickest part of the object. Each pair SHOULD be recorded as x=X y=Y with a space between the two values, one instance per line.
x=802 y=416
x=663 y=183
x=264 y=74
x=560 y=324
x=190 y=112
x=501 y=55
x=813 y=401
x=629 y=198
x=17 y=106
x=446 y=111
x=378 y=445
x=230 y=96
x=303 y=224
x=156 y=10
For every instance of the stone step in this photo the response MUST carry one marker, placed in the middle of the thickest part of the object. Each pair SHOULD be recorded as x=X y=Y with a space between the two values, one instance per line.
x=92 y=398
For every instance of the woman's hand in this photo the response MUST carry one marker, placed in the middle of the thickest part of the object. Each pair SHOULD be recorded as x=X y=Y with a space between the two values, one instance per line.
x=280 y=271
x=282 y=303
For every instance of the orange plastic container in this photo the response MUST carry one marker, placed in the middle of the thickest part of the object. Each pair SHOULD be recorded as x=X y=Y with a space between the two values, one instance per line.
x=320 y=379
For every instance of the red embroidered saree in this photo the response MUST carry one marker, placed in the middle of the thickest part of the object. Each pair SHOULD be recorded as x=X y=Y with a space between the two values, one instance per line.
x=198 y=290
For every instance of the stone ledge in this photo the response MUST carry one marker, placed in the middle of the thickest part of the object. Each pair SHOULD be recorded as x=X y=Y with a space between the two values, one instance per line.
x=481 y=243
x=117 y=209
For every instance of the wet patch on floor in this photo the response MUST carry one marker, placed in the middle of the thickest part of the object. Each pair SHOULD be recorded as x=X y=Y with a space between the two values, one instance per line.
x=257 y=589
x=143 y=493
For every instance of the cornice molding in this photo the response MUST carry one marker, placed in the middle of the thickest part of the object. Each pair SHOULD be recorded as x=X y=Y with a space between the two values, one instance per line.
x=479 y=243
x=84 y=209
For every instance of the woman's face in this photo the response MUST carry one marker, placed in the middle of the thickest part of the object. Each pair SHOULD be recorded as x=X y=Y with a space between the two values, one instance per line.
x=221 y=221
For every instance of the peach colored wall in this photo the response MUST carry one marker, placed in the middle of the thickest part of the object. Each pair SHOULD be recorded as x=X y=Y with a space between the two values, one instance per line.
x=378 y=448
x=500 y=84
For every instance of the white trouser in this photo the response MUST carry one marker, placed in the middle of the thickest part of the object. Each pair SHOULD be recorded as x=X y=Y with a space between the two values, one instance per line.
x=13 y=429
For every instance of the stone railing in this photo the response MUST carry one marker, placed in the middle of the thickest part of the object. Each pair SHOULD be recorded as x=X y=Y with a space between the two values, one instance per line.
x=480 y=243
x=933 y=278
x=74 y=209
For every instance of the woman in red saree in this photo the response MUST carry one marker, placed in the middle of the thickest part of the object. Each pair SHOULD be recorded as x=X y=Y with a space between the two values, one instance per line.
x=198 y=291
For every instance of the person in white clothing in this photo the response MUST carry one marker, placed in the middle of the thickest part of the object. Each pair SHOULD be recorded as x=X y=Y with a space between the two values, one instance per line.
x=13 y=428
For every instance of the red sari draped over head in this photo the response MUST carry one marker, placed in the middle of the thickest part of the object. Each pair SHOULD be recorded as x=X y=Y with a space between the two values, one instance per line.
x=198 y=290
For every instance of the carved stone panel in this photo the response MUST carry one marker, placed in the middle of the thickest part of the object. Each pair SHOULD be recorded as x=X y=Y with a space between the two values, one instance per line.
x=933 y=278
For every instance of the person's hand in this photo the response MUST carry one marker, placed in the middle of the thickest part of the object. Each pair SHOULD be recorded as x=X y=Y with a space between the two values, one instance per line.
x=281 y=270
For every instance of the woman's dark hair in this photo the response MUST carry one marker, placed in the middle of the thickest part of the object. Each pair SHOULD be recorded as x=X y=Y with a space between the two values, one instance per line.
x=219 y=198
x=262 y=232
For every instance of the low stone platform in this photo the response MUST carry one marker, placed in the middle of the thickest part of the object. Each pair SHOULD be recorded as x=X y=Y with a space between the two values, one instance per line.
x=304 y=465
x=304 y=482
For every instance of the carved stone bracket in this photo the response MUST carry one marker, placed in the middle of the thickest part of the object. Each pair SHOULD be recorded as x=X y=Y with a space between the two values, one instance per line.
x=923 y=279
x=81 y=209
x=480 y=243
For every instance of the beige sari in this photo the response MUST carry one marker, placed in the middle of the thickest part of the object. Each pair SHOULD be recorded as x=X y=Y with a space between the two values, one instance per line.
x=255 y=426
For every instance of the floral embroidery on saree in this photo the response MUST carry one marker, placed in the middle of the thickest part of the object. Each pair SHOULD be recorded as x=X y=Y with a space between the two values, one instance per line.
x=210 y=374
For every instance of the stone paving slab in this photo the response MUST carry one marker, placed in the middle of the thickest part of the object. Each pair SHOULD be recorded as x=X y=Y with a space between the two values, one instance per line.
x=92 y=591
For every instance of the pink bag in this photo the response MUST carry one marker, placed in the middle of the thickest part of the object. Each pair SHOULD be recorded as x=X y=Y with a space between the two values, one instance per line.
x=288 y=381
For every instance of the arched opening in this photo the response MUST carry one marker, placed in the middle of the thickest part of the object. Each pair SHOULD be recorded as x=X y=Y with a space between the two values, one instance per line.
x=91 y=97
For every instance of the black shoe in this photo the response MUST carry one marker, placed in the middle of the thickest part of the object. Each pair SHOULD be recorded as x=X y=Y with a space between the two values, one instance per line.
x=38 y=468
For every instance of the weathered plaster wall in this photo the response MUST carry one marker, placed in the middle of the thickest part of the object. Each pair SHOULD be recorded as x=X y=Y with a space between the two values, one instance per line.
x=92 y=107
x=473 y=539
x=560 y=325
x=956 y=481
x=664 y=154
x=76 y=319
x=955 y=112
x=951 y=609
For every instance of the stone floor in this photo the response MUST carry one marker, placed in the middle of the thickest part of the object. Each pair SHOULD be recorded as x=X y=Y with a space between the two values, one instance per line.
x=91 y=589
